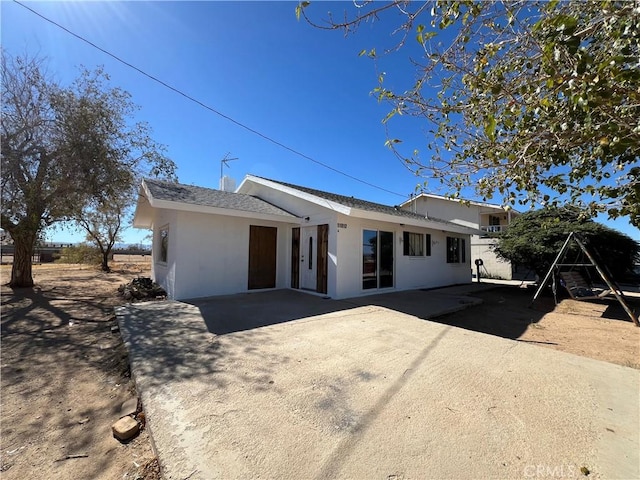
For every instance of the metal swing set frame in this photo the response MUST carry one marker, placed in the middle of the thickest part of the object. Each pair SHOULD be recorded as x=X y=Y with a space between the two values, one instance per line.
x=575 y=283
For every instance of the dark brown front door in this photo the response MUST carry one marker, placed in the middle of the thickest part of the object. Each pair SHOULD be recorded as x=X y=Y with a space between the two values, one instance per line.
x=295 y=257
x=262 y=257
x=323 y=250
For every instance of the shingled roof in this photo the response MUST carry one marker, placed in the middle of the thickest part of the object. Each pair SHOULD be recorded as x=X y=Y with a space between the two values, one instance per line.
x=353 y=202
x=208 y=197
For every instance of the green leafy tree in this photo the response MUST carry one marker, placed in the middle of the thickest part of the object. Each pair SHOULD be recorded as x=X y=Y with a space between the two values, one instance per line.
x=103 y=224
x=536 y=101
x=535 y=238
x=64 y=151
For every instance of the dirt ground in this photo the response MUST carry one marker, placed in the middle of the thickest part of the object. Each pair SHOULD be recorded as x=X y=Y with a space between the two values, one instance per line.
x=64 y=378
x=599 y=330
x=65 y=375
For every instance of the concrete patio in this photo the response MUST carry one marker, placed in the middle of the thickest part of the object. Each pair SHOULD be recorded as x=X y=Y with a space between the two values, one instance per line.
x=286 y=385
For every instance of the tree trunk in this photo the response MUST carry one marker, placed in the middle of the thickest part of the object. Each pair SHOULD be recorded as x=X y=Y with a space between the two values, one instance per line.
x=21 y=270
x=105 y=261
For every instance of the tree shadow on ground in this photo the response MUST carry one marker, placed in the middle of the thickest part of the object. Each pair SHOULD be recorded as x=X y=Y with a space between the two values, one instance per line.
x=58 y=320
x=508 y=311
x=56 y=337
x=170 y=342
x=505 y=311
x=235 y=313
x=203 y=338
x=165 y=344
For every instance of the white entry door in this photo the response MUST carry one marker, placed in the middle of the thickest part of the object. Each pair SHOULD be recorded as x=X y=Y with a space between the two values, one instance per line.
x=308 y=258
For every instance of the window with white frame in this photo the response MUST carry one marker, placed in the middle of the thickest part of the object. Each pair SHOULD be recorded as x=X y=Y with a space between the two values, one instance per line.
x=163 y=237
x=456 y=250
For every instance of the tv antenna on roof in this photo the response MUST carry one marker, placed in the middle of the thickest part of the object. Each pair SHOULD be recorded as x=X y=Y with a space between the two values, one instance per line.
x=225 y=162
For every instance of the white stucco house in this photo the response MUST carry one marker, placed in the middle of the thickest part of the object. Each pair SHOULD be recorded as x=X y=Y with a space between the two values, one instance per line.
x=272 y=235
x=487 y=218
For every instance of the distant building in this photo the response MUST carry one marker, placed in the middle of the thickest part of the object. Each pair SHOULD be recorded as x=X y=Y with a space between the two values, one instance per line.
x=486 y=217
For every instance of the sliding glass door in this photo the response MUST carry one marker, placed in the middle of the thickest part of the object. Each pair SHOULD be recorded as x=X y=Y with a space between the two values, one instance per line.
x=377 y=259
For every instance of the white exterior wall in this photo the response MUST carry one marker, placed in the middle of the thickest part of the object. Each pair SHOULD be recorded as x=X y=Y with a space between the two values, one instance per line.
x=492 y=265
x=333 y=260
x=209 y=255
x=164 y=274
x=450 y=210
x=349 y=264
x=471 y=215
x=409 y=272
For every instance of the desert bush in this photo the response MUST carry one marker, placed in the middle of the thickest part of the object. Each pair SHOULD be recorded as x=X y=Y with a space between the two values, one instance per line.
x=82 y=253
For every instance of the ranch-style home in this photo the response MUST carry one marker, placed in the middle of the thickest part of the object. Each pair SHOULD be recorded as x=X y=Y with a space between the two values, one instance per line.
x=271 y=235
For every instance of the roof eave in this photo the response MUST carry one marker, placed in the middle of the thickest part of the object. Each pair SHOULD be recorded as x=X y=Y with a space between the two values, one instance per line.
x=458 y=200
x=228 y=212
x=415 y=222
x=143 y=216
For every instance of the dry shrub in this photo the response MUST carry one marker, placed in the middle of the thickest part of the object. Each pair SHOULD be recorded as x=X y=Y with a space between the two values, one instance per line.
x=81 y=253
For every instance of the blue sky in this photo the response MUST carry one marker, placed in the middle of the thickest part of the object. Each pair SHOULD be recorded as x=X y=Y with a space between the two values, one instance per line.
x=252 y=61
